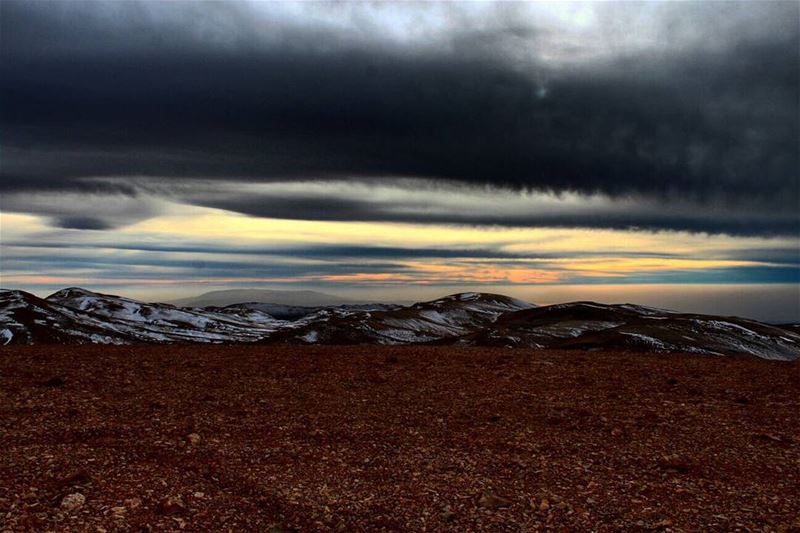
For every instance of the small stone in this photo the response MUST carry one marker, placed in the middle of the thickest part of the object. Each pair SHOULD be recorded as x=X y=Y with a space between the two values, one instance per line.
x=72 y=502
x=493 y=501
x=544 y=505
x=664 y=523
x=80 y=477
x=56 y=381
x=193 y=439
x=133 y=503
x=171 y=505
x=770 y=437
x=675 y=463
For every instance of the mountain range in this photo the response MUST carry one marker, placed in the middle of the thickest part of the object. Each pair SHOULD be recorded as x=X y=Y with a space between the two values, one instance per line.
x=234 y=296
x=76 y=315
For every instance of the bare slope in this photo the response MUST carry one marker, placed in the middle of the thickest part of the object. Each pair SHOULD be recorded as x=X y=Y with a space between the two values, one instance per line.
x=409 y=438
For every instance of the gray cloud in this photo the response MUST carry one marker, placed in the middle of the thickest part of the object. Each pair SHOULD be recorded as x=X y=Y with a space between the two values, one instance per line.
x=91 y=206
x=634 y=214
x=319 y=252
x=703 y=111
x=82 y=222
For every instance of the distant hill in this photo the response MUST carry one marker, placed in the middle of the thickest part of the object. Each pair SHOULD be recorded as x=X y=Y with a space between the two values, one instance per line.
x=78 y=316
x=236 y=296
x=449 y=317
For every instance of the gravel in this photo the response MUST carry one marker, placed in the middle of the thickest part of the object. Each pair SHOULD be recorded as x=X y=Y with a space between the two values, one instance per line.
x=212 y=438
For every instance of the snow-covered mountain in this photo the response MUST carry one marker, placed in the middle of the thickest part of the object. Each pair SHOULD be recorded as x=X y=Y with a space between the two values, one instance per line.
x=296 y=312
x=27 y=319
x=591 y=325
x=78 y=315
x=446 y=318
x=468 y=319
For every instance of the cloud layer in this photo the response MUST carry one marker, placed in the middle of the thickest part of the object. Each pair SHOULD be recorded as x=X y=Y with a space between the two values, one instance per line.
x=691 y=122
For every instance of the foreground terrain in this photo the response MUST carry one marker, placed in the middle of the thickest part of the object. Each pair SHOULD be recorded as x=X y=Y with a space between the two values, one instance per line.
x=316 y=438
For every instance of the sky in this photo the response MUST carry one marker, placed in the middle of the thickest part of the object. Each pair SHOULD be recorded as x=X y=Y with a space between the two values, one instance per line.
x=398 y=151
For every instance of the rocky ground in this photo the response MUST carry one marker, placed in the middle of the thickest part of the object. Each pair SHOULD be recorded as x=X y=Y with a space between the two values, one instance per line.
x=199 y=438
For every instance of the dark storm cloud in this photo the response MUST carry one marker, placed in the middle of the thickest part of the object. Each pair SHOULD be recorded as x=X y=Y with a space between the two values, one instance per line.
x=86 y=205
x=156 y=268
x=180 y=90
x=81 y=222
x=652 y=217
x=320 y=252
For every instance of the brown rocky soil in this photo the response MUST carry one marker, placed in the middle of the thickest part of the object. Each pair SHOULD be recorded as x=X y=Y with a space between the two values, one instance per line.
x=197 y=438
